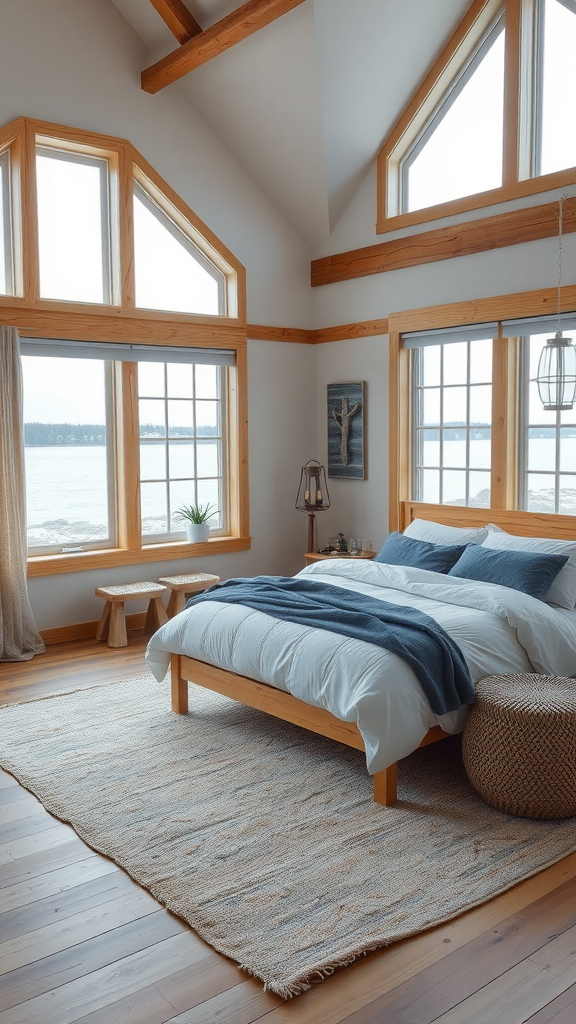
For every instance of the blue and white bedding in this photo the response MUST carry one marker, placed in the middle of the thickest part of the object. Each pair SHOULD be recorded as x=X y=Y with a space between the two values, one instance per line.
x=498 y=630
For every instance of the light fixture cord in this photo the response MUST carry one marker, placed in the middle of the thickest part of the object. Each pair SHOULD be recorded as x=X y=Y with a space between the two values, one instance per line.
x=560 y=213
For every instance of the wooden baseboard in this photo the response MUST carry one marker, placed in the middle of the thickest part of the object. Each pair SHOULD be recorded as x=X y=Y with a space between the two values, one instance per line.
x=86 y=630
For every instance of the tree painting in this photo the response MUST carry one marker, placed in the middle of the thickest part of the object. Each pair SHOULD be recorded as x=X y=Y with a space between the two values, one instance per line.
x=346 y=430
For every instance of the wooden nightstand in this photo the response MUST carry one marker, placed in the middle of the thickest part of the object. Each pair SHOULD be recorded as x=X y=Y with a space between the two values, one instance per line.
x=313 y=556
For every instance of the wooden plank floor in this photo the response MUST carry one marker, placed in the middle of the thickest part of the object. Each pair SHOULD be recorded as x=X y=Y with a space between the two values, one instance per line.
x=81 y=943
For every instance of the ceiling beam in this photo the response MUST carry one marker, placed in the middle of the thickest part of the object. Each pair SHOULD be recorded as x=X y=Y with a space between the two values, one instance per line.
x=178 y=18
x=238 y=25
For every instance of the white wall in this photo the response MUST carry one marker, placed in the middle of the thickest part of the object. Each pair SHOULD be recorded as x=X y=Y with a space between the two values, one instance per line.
x=358 y=508
x=78 y=63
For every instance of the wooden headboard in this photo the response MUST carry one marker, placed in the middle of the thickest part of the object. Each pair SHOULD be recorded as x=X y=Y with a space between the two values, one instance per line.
x=523 y=524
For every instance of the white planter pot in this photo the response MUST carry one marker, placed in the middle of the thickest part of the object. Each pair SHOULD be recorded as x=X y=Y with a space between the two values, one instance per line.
x=197 y=533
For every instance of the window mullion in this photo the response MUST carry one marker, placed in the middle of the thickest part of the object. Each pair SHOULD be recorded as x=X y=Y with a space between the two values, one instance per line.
x=557 y=463
x=441 y=431
x=536 y=57
x=513 y=98
x=128 y=456
x=504 y=423
x=467 y=442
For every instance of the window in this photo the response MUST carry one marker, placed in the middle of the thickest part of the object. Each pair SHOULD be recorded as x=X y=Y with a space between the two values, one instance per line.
x=171 y=272
x=451 y=438
x=467 y=425
x=182 y=456
x=492 y=119
x=6 y=270
x=74 y=429
x=73 y=226
x=147 y=287
x=460 y=150
x=547 y=443
x=69 y=450
x=555 y=143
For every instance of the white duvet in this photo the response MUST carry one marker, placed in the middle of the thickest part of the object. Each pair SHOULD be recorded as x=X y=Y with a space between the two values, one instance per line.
x=497 y=629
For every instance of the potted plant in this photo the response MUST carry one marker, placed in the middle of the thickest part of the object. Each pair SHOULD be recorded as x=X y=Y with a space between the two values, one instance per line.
x=196 y=518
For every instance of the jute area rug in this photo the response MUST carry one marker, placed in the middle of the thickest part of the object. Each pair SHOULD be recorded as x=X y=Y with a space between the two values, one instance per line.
x=262 y=836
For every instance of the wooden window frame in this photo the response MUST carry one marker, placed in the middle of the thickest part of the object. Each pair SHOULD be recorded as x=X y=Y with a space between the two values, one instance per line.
x=123 y=322
x=505 y=425
x=519 y=88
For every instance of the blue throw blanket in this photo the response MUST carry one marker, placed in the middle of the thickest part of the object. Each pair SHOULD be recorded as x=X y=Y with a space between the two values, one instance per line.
x=411 y=634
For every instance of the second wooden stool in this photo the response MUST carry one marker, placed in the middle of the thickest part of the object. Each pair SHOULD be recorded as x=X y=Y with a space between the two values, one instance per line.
x=113 y=622
x=185 y=586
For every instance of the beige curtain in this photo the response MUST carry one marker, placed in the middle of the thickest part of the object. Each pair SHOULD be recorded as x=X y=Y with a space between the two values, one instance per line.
x=19 y=638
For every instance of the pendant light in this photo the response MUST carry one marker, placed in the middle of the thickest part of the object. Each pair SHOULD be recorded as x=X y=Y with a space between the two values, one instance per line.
x=556 y=377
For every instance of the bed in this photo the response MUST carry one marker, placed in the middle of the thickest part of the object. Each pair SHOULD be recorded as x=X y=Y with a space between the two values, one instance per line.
x=348 y=690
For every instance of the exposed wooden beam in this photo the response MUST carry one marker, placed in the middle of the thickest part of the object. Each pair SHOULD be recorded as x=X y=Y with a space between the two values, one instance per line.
x=496 y=232
x=178 y=18
x=238 y=25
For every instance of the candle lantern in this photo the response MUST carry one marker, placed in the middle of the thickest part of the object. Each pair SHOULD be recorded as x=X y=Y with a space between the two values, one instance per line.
x=312 y=495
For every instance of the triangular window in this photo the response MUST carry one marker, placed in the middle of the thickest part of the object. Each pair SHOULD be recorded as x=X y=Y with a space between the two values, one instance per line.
x=493 y=120
x=556 y=144
x=460 y=150
x=171 y=271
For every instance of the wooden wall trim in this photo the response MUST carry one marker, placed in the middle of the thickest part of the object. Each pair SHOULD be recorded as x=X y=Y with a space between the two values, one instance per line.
x=42 y=321
x=503 y=229
x=542 y=302
x=296 y=335
x=300 y=336
x=86 y=630
x=361 y=329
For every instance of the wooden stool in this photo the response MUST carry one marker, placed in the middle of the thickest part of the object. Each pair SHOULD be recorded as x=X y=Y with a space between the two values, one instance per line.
x=113 y=622
x=183 y=587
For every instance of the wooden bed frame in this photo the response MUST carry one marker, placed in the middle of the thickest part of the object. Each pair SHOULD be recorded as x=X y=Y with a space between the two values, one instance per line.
x=290 y=709
x=282 y=705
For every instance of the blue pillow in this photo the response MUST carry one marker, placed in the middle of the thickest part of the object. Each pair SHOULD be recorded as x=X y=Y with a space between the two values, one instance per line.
x=422 y=554
x=531 y=573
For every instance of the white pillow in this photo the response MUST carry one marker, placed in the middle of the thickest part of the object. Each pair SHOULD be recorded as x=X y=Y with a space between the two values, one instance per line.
x=437 y=533
x=563 y=590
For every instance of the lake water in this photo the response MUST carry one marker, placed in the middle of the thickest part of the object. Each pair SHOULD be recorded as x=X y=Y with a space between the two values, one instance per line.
x=66 y=491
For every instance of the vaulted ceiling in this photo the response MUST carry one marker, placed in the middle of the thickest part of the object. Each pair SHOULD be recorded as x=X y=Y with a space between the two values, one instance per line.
x=305 y=103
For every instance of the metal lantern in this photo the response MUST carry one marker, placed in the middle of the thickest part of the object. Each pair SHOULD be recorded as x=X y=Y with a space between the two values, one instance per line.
x=312 y=495
x=556 y=377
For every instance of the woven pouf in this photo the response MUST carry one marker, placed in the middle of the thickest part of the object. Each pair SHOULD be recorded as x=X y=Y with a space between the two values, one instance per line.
x=519 y=744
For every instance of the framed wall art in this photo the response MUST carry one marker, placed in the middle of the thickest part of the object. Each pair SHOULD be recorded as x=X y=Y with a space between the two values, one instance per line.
x=346 y=424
